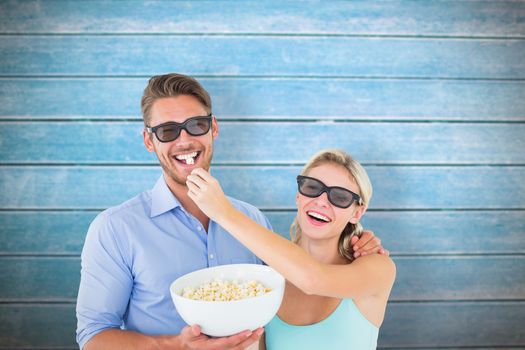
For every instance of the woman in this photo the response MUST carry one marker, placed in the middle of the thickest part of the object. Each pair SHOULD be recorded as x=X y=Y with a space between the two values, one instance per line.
x=331 y=301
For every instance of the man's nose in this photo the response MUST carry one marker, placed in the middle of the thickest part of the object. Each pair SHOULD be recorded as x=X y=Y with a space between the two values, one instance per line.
x=184 y=139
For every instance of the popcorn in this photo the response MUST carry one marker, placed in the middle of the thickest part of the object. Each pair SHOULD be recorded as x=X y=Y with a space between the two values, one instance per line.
x=219 y=290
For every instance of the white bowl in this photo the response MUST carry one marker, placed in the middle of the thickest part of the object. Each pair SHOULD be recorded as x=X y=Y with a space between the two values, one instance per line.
x=224 y=318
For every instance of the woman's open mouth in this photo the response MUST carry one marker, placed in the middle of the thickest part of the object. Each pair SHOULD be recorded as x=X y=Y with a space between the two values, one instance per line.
x=317 y=218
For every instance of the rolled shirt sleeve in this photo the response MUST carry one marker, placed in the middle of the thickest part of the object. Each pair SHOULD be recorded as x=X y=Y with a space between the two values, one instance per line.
x=106 y=281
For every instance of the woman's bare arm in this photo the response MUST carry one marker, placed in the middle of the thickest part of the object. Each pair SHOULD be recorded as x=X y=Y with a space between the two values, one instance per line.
x=366 y=276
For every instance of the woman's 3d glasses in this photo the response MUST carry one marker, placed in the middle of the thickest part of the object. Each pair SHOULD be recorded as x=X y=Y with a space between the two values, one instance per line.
x=195 y=126
x=338 y=196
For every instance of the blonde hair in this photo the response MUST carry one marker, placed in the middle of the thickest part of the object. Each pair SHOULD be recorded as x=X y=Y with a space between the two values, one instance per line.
x=357 y=173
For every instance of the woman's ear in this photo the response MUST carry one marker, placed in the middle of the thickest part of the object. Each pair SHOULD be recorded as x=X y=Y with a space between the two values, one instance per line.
x=356 y=215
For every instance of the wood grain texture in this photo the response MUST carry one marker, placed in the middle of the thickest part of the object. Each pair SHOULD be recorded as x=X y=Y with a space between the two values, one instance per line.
x=451 y=278
x=442 y=18
x=276 y=56
x=430 y=95
x=396 y=187
x=482 y=325
x=247 y=142
x=406 y=232
x=280 y=98
x=24 y=326
x=453 y=325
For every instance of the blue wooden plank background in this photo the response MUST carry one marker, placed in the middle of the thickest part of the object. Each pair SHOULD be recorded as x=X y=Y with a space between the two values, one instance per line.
x=274 y=98
x=241 y=142
x=276 y=56
x=443 y=232
x=430 y=96
x=433 y=18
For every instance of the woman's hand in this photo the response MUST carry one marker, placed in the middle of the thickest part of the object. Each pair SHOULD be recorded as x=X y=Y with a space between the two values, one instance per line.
x=207 y=193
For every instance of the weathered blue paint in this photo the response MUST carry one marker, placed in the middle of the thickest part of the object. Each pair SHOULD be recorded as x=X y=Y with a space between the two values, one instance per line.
x=280 y=98
x=429 y=94
x=449 y=18
x=255 y=142
x=406 y=232
x=395 y=187
x=28 y=325
x=475 y=277
x=276 y=56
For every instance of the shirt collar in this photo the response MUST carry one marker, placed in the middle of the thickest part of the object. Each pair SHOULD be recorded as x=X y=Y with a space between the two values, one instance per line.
x=162 y=200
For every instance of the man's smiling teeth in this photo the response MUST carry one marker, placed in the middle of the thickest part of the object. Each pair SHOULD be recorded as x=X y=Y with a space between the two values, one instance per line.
x=318 y=216
x=188 y=158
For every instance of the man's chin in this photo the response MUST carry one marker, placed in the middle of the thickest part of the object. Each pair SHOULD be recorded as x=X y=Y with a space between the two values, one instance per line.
x=175 y=175
x=178 y=172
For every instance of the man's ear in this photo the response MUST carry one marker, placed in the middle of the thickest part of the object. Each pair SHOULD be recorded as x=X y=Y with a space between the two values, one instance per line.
x=214 y=128
x=148 y=141
x=356 y=216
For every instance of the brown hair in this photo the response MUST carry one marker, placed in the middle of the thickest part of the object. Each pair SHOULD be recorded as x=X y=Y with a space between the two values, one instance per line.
x=357 y=173
x=172 y=85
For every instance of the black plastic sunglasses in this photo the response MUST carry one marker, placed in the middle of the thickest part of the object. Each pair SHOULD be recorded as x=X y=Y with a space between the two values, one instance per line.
x=338 y=196
x=195 y=126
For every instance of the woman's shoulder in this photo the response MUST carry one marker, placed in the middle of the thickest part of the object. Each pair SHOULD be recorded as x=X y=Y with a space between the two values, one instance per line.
x=377 y=264
x=375 y=259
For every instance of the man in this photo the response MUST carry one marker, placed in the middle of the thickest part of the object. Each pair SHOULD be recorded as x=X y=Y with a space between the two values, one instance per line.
x=133 y=251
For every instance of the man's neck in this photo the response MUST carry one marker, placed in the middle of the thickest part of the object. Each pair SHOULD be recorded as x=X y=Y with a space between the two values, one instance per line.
x=181 y=193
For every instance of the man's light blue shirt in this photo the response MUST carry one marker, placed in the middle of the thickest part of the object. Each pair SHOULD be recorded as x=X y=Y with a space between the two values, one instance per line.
x=135 y=250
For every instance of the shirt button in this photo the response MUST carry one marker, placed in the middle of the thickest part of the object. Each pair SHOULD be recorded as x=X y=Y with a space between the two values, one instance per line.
x=199 y=228
x=211 y=256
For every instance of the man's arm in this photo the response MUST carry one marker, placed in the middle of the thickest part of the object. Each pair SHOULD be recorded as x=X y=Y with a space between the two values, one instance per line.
x=189 y=339
x=118 y=339
x=106 y=282
x=367 y=244
x=105 y=288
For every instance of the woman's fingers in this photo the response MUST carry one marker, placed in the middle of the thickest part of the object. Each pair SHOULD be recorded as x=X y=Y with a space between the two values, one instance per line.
x=206 y=176
x=192 y=187
x=196 y=180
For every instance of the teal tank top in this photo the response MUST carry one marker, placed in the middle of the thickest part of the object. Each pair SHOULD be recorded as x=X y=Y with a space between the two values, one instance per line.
x=345 y=328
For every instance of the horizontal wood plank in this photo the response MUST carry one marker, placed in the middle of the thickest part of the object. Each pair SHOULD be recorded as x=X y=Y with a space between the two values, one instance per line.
x=449 y=200
x=395 y=187
x=418 y=278
x=50 y=326
x=450 y=18
x=407 y=325
x=457 y=232
x=313 y=98
x=277 y=56
x=388 y=143
x=39 y=278
x=419 y=232
x=453 y=324
x=459 y=278
x=43 y=232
